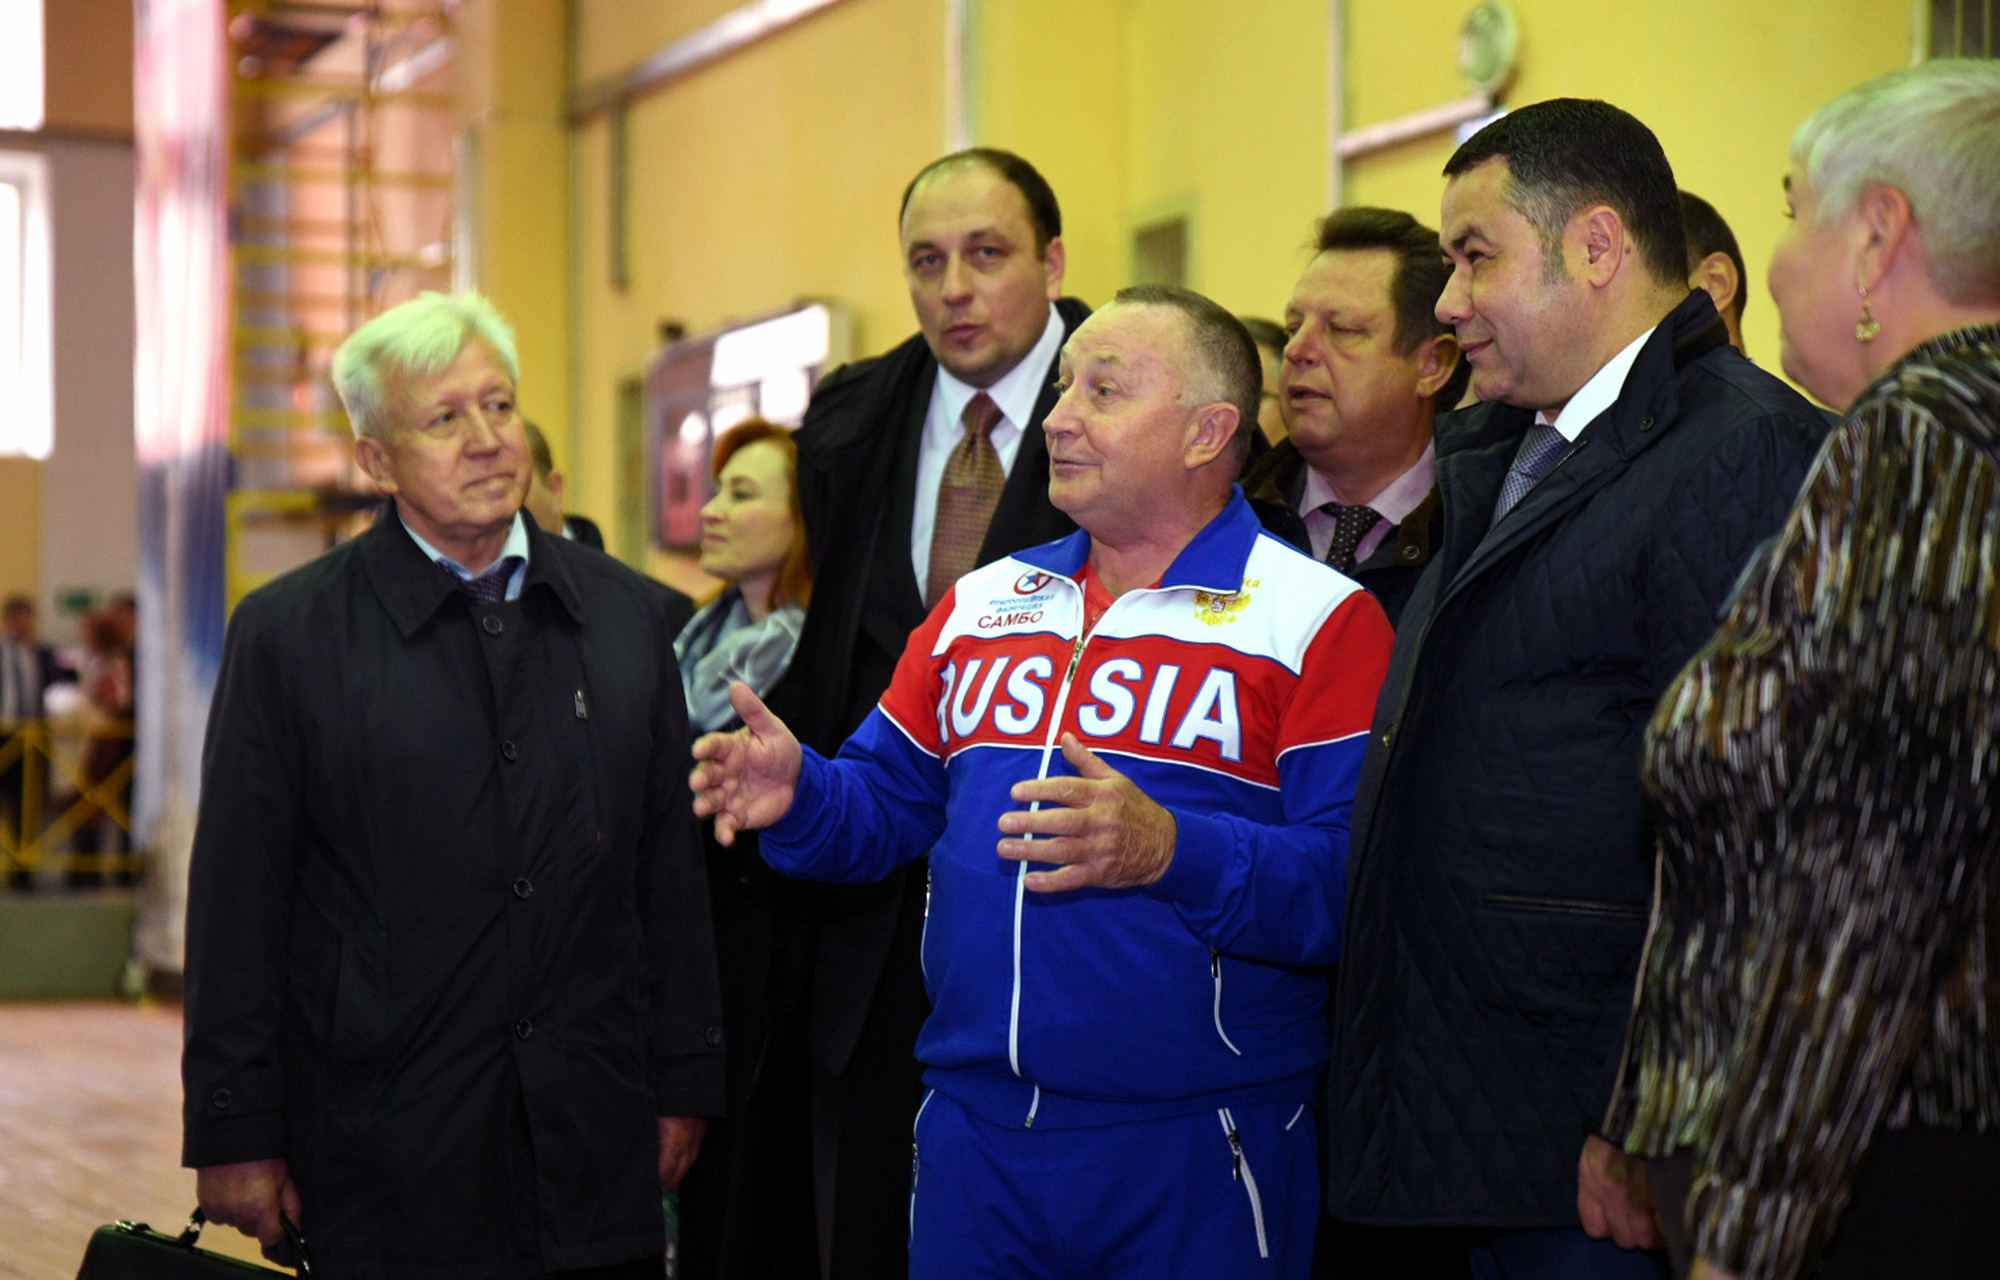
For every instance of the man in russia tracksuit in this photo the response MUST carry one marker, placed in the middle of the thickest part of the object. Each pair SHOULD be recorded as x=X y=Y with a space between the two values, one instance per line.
x=1130 y=755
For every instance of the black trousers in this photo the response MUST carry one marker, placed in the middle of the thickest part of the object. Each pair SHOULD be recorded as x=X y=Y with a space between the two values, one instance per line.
x=862 y=1119
x=1927 y=1207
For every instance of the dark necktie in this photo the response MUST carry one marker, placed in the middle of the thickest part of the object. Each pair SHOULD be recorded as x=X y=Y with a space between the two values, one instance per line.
x=489 y=587
x=1350 y=526
x=1541 y=449
x=967 y=495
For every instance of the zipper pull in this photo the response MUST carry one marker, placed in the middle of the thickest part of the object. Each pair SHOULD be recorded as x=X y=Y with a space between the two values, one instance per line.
x=1235 y=1157
x=582 y=711
x=1214 y=963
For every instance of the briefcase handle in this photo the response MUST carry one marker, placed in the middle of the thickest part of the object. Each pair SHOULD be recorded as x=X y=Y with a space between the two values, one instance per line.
x=294 y=1239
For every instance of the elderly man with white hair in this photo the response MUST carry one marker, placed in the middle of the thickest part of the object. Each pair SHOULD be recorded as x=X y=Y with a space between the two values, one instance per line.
x=451 y=995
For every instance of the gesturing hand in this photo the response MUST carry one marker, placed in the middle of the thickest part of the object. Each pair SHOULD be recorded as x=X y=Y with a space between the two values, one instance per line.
x=1613 y=1197
x=747 y=778
x=249 y=1197
x=1099 y=827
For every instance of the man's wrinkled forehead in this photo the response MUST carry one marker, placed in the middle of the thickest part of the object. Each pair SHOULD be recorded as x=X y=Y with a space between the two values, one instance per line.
x=1124 y=336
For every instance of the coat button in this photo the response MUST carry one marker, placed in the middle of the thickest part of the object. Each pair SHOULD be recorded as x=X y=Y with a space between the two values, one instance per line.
x=1647 y=425
x=713 y=1035
x=1412 y=552
x=1389 y=737
x=492 y=625
x=509 y=752
x=524 y=889
x=524 y=1029
x=221 y=1099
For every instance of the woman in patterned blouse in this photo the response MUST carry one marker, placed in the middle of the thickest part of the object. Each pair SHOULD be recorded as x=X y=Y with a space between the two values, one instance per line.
x=1813 y=1066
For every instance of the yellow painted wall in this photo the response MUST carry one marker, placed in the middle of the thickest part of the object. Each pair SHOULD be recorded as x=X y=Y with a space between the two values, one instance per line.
x=774 y=174
x=20 y=527
x=767 y=177
x=1723 y=84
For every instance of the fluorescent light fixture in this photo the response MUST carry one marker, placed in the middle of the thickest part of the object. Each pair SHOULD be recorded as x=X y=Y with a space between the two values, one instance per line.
x=27 y=420
x=790 y=342
x=21 y=105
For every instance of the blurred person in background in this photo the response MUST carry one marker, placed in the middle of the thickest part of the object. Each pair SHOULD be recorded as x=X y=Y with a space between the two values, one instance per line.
x=914 y=468
x=545 y=495
x=1270 y=339
x=27 y=668
x=746 y=1207
x=1813 y=1066
x=106 y=678
x=1366 y=366
x=1623 y=464
x=1715 y=264
x=450 y=986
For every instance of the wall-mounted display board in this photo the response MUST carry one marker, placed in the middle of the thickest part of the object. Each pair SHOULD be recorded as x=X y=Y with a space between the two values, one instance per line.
x=699 y=387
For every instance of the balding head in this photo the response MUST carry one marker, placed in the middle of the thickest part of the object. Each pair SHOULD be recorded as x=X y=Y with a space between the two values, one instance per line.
x=1159 y=393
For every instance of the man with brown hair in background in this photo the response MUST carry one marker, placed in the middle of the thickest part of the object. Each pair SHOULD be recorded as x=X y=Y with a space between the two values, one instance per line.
x=1366 y=365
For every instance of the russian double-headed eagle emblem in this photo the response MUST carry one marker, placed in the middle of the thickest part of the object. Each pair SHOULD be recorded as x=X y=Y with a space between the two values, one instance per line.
x=1215 y=608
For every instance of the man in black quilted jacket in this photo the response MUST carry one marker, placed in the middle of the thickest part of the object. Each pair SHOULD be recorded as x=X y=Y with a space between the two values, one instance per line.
x=1598 y=506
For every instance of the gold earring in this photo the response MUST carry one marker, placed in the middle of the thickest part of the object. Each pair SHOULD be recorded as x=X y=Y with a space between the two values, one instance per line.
x=1867 y=326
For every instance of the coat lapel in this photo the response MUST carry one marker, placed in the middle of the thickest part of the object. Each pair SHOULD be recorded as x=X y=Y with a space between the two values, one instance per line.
x=1021 y=516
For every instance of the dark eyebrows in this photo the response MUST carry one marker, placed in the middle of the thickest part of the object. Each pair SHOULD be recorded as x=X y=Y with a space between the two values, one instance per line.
x=1458 y=241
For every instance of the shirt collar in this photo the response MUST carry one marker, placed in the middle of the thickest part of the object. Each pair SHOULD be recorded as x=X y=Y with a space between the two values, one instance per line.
x=1017 y=390
x=1398 y=498
x=516 y=545
x=1596 y=395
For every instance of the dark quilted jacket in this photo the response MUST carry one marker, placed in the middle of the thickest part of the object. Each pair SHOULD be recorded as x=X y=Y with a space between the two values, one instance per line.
x=1499 y=881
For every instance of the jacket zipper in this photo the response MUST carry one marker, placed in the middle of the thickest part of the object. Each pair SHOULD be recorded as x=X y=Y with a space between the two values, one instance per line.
x=1590 y=907
x=1021 y=872
x=1239 y=1171
x=1215 y=969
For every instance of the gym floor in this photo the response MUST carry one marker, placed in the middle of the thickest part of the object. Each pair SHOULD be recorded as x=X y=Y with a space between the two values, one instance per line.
x=90 y=1104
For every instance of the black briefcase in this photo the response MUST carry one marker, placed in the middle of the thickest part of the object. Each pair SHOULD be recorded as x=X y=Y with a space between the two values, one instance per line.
x=134 y=1251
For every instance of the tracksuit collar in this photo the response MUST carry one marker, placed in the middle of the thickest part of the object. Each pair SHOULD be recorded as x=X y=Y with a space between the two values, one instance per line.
x=1212 y=561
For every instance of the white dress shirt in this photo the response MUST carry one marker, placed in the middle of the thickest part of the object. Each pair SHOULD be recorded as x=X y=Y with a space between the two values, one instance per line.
x=516 y=545
x=944 y=427
x=1596 y=395
x=20 y=681
x=1394 y=504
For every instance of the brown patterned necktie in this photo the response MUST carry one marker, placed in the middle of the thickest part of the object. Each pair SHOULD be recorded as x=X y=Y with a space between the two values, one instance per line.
x=970 y=490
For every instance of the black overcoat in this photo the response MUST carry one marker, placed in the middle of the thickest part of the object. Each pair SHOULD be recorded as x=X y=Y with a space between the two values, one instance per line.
x=448 y=936
x=858 y=454
x=1500 y=870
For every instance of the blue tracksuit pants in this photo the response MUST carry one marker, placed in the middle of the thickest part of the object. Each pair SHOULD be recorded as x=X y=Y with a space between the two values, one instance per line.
x=1153 y=1199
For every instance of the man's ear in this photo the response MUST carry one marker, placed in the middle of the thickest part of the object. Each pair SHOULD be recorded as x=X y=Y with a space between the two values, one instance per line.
x=1439 y=359
x=1214 y=430
x=554 y=484
x=1595 y=240
x=1716 y=276
x=1055 y=260
x=373 y=460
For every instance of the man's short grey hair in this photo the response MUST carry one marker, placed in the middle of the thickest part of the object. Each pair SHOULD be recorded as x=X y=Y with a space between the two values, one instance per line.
x=420 y=339
x=1932 y=132
x=1232 y=372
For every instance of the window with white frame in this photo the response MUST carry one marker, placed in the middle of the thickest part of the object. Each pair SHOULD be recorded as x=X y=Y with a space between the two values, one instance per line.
x=27 y=420
x=21 y=85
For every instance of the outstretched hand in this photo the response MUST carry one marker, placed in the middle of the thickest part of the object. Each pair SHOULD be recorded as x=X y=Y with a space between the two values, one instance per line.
x=746 y=779
x=1098 y=827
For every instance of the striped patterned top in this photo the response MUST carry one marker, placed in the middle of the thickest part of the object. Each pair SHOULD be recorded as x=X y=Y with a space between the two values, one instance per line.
x=1820 y=961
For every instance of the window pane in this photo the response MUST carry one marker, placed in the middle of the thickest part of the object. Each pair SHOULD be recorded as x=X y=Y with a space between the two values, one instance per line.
x=20 y=64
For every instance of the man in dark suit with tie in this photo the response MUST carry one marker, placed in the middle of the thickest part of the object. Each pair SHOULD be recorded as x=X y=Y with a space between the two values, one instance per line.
x=914 y=468
x=1366 y=365
x=1624 y=464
